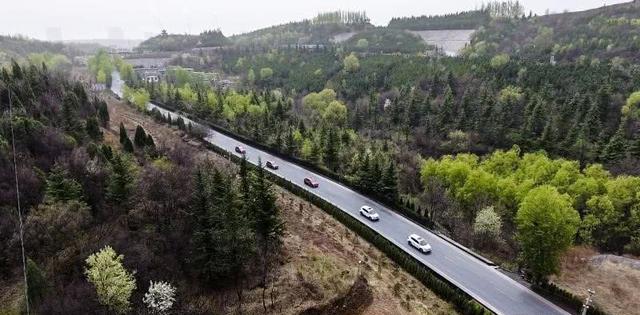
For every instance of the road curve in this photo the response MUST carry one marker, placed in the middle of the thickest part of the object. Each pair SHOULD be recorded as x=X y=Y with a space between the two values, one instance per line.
x=484 y=283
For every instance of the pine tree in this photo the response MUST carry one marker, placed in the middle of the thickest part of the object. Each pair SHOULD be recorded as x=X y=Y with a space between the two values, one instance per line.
x=93 y=129
x=363 y=171
x=128 y=146
x=61 y=187
x=103 y=114
x=389 y=183
x=36 y=283
x=140 y=138
x=268 y=227
x=149 y=141
x=374 y=176
x=592 y=124
x=267 y=224
x=123 y=134
x=70 y=108
x=290 y=143
x=535 y=123
x=120 y=180
x=634 y=148
x=445 y=115
x=245 y=192
x=617 y=146
x=332 y=148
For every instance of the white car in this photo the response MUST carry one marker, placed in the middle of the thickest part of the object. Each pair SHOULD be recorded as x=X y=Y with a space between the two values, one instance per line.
x=368 y=213
x=419 y=243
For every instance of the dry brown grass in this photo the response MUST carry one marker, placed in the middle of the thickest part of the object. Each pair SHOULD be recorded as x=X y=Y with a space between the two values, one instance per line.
x=617 y=286
x=321 y=255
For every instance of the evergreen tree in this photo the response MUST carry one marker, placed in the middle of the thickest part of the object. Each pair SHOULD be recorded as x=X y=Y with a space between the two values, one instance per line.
x=617 y=146
x=128 y=146
x=592 y=124
x=536 y=122
x=634 y=148
x=267 y=224
x=390 y=183
x=103 y=114
x=267 y=227
x=70 y=106
x=363 y=171
x=149 y=141
x=140 y=138
x=332 y=148
x=123 y=134
x=121 y=179
x=445 y=115
x=36 y=283
x=291 y=146
x=61 y=187
x=245 y=181
x=93 y=129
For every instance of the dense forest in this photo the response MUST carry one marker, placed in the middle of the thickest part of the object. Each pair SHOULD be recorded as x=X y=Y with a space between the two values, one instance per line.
x=94 y=211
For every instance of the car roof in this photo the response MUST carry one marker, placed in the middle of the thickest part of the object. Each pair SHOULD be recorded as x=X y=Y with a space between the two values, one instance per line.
x=416 y=236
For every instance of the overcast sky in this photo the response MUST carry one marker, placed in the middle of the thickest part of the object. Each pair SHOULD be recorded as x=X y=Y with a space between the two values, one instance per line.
x=137 y=19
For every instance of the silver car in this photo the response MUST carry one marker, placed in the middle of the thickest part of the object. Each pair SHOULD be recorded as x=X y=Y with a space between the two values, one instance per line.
x=369 y=213
x=419 y=243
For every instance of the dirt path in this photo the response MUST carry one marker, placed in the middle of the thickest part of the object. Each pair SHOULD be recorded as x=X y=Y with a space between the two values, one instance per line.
x=321 y=255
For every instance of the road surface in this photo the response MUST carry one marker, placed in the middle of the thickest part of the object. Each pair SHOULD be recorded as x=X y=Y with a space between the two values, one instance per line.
x=484 y=283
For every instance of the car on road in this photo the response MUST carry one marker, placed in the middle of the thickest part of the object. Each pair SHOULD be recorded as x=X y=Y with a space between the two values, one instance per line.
x=272 y=165
x=310 y=182
x=240 y=150
x=369 y=213
x=419 y=243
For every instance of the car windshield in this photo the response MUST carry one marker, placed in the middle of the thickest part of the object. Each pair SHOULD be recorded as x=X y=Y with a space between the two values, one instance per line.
x=422 y=242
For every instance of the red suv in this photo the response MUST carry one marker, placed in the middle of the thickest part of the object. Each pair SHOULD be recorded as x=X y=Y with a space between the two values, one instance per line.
x=310 y=182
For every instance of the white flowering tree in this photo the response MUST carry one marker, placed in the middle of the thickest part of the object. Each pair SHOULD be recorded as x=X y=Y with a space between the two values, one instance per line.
x=160 y=297
x=488 y=223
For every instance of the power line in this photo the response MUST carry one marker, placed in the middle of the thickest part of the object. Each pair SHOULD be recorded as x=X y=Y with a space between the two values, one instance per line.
x=15 y=170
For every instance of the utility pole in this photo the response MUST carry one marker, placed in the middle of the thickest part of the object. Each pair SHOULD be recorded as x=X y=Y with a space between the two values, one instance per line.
x=587 y=302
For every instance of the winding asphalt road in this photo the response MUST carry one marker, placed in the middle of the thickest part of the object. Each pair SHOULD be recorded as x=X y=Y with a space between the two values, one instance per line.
x=484 y=283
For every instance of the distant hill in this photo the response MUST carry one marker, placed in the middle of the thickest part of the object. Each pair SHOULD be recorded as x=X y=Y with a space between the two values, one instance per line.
x=16 y=47
x=319 y=30
x=179 y=42
x=593 y=35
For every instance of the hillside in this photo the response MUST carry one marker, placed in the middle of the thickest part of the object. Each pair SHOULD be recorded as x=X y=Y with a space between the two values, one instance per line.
x=319 y=30
x=177 y=42
x=16 y=47
x=601 y=34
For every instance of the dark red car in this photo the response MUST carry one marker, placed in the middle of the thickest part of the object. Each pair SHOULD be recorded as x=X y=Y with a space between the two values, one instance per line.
x=310 y=182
